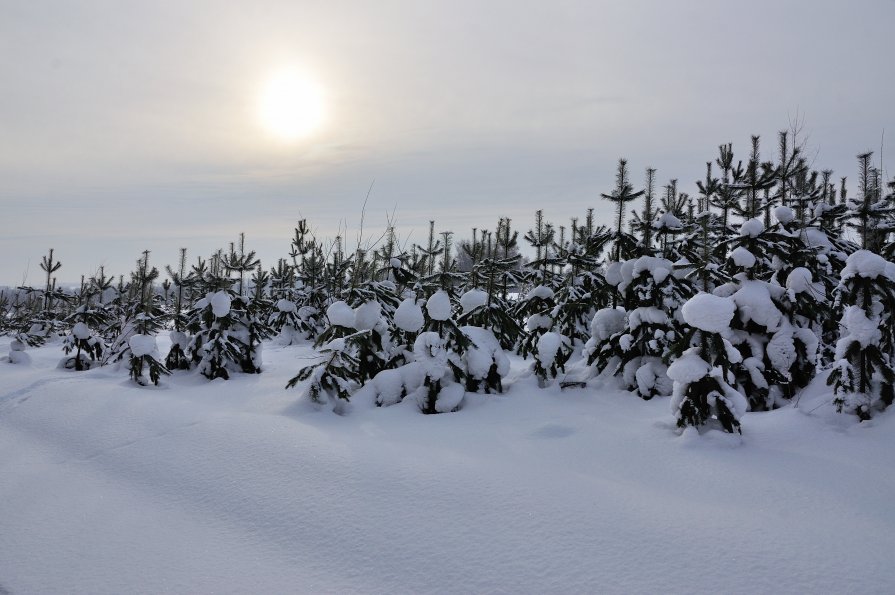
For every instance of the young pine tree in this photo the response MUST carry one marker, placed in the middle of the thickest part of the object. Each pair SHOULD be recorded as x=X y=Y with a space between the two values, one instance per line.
x=863 y=371
x=703 y=395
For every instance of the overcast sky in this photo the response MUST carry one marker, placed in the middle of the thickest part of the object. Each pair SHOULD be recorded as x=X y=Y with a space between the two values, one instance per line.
x=131 y=125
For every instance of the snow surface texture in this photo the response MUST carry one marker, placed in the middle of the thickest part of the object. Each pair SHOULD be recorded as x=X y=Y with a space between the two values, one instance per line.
x=708 y=312
x=235 y=487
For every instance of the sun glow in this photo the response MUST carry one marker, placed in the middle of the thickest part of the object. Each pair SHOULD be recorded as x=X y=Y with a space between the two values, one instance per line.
x=291 y=105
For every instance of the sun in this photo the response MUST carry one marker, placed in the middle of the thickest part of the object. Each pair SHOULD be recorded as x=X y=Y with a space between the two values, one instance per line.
x=291 y=105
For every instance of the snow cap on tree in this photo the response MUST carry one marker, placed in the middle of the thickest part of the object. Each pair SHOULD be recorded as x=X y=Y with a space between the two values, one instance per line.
x=409 y=316
x=752 y=228
x=708 y=312
x=367 y=315
x=220 y=303
x=439 y=306
x=472 y=299
x=864 y=263
x=340 y=314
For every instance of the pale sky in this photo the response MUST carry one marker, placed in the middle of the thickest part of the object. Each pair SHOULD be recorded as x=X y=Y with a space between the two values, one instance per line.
x=132 y=125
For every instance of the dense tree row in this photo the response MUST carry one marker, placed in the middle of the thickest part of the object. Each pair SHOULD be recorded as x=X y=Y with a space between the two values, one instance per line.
x=727 y=301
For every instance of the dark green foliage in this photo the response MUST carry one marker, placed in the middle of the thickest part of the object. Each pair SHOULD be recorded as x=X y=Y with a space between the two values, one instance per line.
x=623 y=193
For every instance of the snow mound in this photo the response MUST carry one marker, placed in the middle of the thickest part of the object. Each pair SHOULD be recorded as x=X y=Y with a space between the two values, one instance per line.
x=484 y=352
x=659 y=268
x=540 y=291
x=142 y=345
x=607 y=322
x=799 y=280
x=548 y=346
x=439 y=305
x=220 y=304
x=708 y=312
x=741 y=257
x=864 y=263
x=285 y=305
x=752 y=228
x=613 y=273
x=472 y=299
x=367 y=315
x=538 y=321
x=859 y=328
x=784 y=215
x=688 y=368
x=409 y=316
x=80 y=331
x=340 y=314
x=753 y=300
x=667 y=221
x=647 y=315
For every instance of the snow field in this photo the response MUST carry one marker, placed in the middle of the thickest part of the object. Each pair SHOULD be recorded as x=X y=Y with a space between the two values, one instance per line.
x=239 y=486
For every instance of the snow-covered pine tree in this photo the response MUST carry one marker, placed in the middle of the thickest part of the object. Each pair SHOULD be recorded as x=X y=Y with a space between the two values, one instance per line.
x=48 y=323
x=215 y=347
x=580 y=289
x=286 y=322
x=484 y=304
x=702 y=394
x=551 y=354
x=655 y=292
x=440 y=349
x=535 y=310
x=176 y=358
x=669 y=223
x=85 y=337
x=354 y=349
x=6 y=314
x=869 y=213
x=864 y=371
x=440 y=391
x=25 y=332
x=485 y=362
x=253 y=313
x=778 y=357
x=143 y=324
x=698 y=248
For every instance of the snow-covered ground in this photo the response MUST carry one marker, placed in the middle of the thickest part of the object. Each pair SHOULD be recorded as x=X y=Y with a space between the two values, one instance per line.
x=240 y=487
